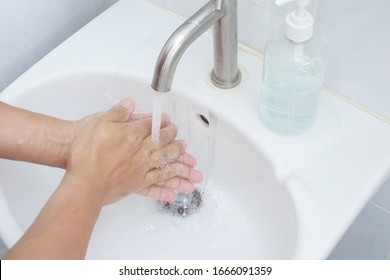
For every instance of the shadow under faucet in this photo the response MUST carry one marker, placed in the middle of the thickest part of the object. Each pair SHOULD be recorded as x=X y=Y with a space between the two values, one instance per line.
x=222 y=15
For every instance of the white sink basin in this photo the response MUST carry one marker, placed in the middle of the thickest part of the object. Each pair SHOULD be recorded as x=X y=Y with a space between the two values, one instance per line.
x=234 y=220
x=267 y=196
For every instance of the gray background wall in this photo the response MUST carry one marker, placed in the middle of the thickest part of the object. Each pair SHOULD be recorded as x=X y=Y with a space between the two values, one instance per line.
x=31 y=29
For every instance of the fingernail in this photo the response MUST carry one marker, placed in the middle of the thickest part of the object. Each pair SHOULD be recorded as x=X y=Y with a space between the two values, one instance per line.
x=196 y=176
x=167 y=118
x=127 y=103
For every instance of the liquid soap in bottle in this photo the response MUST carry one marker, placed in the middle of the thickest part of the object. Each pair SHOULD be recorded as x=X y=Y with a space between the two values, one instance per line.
x=293 y=74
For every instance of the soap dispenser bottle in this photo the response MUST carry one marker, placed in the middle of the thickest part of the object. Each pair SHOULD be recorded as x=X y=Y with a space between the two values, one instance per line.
x=293 y=74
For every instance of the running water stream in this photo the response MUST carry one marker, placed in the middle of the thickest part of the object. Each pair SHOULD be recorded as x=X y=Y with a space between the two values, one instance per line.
x=158 y=104
x=186 y=203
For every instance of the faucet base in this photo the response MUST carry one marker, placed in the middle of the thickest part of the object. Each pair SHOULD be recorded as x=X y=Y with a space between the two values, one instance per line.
x=225 y=84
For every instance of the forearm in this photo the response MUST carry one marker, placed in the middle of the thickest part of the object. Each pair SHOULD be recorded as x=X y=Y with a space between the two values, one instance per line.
x=63 y=228
x=33 y=137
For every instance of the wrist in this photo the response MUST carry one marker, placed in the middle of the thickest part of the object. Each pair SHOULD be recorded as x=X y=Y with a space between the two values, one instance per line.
x=65 y=136
x=85 y=187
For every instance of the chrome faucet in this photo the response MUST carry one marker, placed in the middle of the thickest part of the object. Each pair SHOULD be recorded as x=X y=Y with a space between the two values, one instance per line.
x=222 y=14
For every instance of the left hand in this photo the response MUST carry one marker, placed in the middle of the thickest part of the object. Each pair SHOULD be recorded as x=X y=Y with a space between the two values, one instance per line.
x=168 y=169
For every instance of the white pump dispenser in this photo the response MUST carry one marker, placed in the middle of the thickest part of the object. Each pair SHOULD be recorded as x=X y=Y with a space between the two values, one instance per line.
x=293 y=74
x=299 y=23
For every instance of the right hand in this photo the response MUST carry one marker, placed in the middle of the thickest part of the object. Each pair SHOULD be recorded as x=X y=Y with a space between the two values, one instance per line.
x=113 y=155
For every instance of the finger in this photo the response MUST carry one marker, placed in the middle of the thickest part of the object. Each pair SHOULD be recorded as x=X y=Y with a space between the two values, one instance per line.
x=187 y=172
x=121 y=112
x=165 y=119
x=136 y=117
x=187 y=159
x=159 y=193
x=156 y=175
x=166 y=155
x=143 y=127
x=167 y=134
x=179 y=185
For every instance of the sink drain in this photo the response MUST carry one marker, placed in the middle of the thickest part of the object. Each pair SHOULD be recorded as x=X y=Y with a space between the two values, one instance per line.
x=184 y=205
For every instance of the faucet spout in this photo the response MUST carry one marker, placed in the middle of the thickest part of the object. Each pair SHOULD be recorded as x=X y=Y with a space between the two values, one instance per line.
x=222 y=14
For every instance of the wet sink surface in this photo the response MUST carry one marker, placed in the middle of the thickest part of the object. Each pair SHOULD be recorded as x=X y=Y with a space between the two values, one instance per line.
x=245 y=213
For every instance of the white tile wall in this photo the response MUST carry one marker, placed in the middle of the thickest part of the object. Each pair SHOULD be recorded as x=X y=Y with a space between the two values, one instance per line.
x=180 y=7
x=270 y=6
x=30 y=29
x=358 y=39
x=359 y=43
x=356 y=32
x=359 y=24
x=196 y=5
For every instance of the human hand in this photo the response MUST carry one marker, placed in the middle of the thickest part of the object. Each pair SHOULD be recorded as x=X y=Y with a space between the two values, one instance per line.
x=113 y=154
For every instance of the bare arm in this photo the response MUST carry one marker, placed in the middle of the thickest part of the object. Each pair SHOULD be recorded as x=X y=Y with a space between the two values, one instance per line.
x=63 y=228
x=109 y=158
x=33 y=137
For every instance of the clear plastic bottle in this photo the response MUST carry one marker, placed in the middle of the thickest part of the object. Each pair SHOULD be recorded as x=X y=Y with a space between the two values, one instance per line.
x=293 y=75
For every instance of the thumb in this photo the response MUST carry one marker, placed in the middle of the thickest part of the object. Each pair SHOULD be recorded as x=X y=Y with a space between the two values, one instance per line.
x=121 y=112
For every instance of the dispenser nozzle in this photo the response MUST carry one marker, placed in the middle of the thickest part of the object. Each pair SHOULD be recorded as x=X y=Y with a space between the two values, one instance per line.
x=299 y=23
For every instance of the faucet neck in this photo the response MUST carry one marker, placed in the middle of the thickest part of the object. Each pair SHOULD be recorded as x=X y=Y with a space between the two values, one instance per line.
x=222 y=14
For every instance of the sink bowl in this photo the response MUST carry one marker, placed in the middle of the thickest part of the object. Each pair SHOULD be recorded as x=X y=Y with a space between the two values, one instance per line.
x=245 y=213
x=266 y=196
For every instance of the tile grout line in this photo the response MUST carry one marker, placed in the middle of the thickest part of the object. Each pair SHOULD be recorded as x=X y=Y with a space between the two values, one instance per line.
x=357 y=105
x=380 y=206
